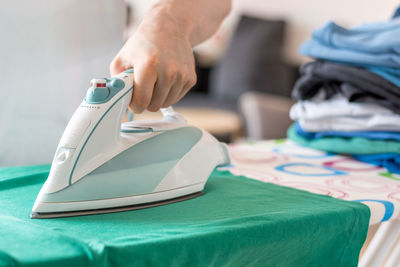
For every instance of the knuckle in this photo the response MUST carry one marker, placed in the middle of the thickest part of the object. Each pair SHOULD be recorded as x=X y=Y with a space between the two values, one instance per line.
x=114 y=64
x=153 y=108
x=185 y=75
x=172 y=72
x=192 y=79
x=141 y=101
x=153 y=60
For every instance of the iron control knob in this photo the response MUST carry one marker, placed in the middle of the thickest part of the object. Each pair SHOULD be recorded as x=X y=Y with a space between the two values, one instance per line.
x=98 y=91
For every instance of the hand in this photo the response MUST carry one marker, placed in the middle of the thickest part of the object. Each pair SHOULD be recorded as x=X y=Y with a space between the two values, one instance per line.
x=163 y=62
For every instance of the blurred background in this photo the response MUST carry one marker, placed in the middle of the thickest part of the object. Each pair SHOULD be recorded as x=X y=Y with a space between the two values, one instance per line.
x=247 y=69
x=50 y=50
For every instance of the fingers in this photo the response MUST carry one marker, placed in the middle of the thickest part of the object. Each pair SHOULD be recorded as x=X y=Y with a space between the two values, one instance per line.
x=173 y=95
x=181 y=87
x=116 y=66
x=160 y=78
x=145 y=76
x=156 y=86
x=190 y=82
x=169 y=78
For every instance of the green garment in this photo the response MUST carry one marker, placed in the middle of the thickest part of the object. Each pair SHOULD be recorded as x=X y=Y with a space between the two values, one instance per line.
x=238 y=222
x=341 y=145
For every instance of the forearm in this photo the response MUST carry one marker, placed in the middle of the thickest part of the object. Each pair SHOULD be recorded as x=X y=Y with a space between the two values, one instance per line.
x=197 y=19
x=161 y=50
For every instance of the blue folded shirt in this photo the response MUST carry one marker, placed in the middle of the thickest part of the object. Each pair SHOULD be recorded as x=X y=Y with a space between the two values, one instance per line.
x=390 y=161
x=377 y=135
x=372 y=44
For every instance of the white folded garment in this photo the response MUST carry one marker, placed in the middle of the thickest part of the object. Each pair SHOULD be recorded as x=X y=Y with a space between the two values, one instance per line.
x=376 y=122
x=338 y=114
x=334 y=107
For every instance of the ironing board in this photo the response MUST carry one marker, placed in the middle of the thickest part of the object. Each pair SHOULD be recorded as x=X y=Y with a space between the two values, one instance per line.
x=285 y=163
x=238 y=222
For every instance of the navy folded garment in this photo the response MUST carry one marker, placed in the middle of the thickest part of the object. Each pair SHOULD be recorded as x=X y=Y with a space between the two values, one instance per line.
x=390 y=161
x=374 y=44
x=379 y=135
x=396 y=13
x=356 y=84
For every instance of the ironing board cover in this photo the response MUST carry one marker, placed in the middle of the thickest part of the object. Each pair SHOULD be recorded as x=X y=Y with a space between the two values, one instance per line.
x=286 y=163
x=238 y=222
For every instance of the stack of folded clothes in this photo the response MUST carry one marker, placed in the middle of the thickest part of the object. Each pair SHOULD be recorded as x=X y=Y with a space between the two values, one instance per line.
x=349 y=98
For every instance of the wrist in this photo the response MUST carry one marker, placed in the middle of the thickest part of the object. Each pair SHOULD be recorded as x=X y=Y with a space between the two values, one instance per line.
x=167 y=18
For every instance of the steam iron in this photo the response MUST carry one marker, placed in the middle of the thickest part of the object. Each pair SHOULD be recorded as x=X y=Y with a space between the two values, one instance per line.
x=103 y=166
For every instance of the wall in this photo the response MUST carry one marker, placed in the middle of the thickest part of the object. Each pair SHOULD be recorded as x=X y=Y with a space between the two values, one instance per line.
x=305 y=15
x=302 y=15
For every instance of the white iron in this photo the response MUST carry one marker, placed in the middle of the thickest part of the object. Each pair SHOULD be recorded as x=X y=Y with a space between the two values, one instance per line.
x=101 y=166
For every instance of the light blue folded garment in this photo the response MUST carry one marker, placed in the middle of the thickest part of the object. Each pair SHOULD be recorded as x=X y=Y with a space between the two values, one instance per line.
x=373 y=44
x=390 y=74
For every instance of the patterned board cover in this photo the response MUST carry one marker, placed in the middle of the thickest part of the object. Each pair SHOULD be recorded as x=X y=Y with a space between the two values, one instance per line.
x=286 y=163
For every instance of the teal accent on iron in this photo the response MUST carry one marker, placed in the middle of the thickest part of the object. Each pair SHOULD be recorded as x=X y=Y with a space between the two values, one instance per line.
x=97 y=95
x=137 y=170
x=137 y=130
x=128 y=70
x=103 y=95
x=90 y=134
x=117 y=83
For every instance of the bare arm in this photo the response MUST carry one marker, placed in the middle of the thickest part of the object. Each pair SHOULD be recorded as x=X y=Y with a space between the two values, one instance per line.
x=161 y=50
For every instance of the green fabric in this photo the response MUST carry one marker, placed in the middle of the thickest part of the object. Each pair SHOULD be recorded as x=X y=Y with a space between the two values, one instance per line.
x=341 y=145
x=238 y=222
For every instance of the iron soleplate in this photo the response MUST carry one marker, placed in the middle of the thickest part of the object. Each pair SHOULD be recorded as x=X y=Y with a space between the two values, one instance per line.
x=51 y=215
